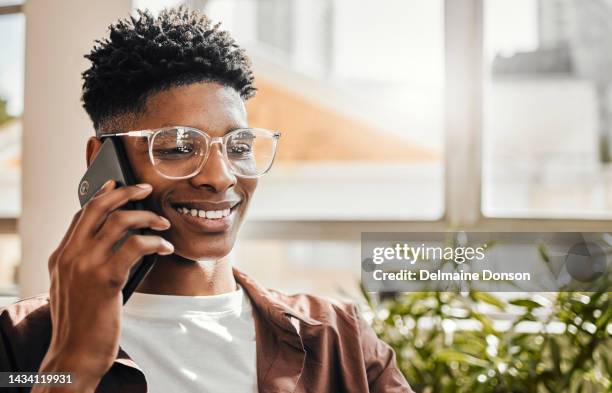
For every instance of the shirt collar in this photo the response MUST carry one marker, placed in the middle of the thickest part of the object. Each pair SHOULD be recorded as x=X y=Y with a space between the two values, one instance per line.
x=280 y=353
x=268 y=302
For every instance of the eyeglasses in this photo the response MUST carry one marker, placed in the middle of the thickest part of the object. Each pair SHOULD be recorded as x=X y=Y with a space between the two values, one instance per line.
x=179 y=152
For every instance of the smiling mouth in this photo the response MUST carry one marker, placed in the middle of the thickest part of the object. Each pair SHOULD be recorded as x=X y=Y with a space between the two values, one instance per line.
x=210 y=214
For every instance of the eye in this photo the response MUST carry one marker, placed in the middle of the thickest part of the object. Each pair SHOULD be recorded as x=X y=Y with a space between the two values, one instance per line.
x=239 y=149
x=174 y=152
x=240 y=146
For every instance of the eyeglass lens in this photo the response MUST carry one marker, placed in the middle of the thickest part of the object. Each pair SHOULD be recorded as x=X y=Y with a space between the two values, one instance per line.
x=180 y=152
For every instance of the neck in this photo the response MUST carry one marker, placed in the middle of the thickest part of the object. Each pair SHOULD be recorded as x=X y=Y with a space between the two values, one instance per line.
x=175 y=275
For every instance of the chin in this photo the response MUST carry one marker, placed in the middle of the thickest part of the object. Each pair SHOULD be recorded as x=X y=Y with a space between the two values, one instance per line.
x=201 y=255
x=196 y=246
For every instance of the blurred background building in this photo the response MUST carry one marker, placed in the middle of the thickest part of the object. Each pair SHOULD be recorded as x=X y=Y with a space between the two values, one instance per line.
x=394 y=117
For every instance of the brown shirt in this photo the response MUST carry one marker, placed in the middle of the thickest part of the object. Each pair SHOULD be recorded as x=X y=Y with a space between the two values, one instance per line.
x=304 y=344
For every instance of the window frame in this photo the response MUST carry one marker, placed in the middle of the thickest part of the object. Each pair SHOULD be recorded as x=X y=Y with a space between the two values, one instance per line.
x=464 y=72
x=11 y=9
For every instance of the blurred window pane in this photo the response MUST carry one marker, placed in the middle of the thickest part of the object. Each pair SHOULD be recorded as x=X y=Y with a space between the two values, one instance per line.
x=548 y=102
x=12 y=45
x=357 y=90
x=319 y=266
x=10 y=256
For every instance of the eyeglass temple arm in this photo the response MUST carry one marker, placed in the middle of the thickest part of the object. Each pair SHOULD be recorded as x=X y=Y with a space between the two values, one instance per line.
x=130 y=133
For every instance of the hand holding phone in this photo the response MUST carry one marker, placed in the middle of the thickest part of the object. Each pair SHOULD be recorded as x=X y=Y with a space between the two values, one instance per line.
x=88 y=273
x=106 y=252
x=111 y=163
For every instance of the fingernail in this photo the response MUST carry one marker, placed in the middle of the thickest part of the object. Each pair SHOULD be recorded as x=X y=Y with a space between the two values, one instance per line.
x=169 y=247
x=163 y=226
x=104 y=187
x=144 y=186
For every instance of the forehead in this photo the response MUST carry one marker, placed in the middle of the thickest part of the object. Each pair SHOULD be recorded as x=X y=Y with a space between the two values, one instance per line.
x=209 y=106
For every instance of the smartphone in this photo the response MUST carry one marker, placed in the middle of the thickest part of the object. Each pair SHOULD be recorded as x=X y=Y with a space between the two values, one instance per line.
x=111 y=163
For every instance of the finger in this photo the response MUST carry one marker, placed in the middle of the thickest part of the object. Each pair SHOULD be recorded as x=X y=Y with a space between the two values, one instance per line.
x=60 y=247
x=134 y=248
x=120 y=221
x=98 y=208
x=106 y=187
x=109 y=185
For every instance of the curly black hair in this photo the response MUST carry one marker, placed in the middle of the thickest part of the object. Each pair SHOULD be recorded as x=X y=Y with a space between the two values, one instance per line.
x=145 y=54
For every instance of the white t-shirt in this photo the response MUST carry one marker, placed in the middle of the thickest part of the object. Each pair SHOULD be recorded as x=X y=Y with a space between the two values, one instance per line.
x=192 y=343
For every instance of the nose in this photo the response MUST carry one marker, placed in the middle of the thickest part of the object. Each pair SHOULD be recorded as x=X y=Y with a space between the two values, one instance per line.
x=215 y=174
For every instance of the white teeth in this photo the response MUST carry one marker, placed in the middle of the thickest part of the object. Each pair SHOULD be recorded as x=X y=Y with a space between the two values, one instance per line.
x=211 y=214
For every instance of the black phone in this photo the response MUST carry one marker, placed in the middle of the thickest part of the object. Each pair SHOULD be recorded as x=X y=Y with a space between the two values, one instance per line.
x=111 y=163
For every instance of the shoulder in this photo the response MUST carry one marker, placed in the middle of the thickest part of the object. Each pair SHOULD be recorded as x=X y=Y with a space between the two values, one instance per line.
x=24 y=310
x=328 y=311
x=25 y=332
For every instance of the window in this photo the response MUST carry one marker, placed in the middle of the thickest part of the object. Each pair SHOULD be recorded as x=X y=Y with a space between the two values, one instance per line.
x=360 y=109
x=386 y=125
x=379 y=136
x=12 y=50
x=11 y=106
x=547 y=108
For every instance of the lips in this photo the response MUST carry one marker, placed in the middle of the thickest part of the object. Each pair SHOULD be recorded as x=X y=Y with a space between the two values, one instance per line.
x=210 y=214
x=206 y=205
x=204 y=216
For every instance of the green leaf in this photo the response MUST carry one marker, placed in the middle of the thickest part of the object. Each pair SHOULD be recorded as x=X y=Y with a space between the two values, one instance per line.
x=543 y=253
x=555 y=351
x=488 y=298
x=530 y=304
x=604 y=319
x=448 y=355
x=487 y=326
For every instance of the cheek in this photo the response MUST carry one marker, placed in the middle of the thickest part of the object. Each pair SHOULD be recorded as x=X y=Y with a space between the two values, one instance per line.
x=248 y=186
x=144 y=172
x=141 y=166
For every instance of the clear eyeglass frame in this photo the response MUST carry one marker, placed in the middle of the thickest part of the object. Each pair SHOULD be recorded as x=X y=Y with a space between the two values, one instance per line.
x=150 y=134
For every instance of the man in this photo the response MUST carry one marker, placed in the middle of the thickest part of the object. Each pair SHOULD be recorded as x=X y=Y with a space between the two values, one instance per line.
x=178 y=84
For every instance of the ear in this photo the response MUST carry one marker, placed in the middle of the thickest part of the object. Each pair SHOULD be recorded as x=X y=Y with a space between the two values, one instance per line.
x=93 y=146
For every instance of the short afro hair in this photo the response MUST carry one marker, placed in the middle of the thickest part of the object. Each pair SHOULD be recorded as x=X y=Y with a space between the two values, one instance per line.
x=145 y=54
